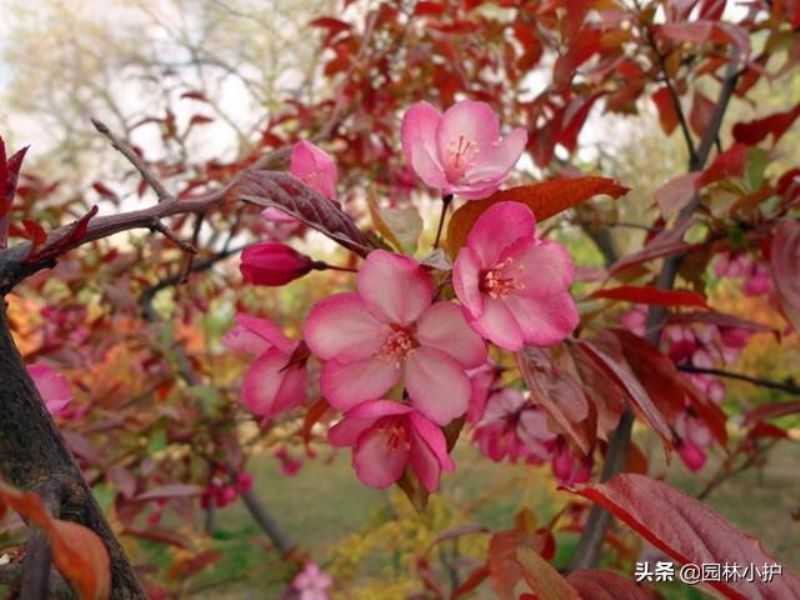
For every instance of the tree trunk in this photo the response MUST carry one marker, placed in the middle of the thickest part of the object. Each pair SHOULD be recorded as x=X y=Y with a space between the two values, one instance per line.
x=32 y=452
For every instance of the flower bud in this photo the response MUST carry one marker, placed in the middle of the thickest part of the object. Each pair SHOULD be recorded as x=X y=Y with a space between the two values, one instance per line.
x=274 y=264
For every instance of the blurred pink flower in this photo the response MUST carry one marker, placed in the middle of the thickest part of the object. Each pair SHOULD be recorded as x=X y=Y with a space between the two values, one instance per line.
x=314 y=167
x=513 y=427
x=461 y=151
x=312 y=583
x=52 y=386
x=386 y=437
x=274 y=264
x=695 y=439
x=513 y=286
x=568 y=468
x=273 y=383
x=785 y=262
x=388 y=330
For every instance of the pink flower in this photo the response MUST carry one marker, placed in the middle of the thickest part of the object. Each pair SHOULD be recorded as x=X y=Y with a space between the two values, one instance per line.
x=387 y=437
x=695 y=438
x=514 y=427
x=312 y=582
x=513 y=286
x=482 y=380
x=568 y=469
x=461 y=151
x=388 y=330
x=314 y=167
x=274 y=383
x=52 y=387
x=274 y=264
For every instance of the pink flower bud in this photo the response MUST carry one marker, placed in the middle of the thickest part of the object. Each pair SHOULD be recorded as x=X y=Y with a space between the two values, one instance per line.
x=274 y=264
x=244 y=482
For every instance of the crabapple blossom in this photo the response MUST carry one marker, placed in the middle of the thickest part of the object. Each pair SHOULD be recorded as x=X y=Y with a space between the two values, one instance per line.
x=312 y=583
x=460 y=152
x=274 y=264
x=514 y=427
x=391 y=329
x=387 y=437
x=514 y=287
x=275 y=382
x=568 y=468
x=314 y=167
x=695 y=438
x=52 y=387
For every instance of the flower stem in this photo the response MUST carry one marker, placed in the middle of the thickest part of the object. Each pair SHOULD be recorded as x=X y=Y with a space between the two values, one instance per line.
x=323 y=266
x=446 y=200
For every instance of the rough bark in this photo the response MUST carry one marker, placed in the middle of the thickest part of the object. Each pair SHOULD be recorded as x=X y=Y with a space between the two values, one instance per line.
x=33 y=452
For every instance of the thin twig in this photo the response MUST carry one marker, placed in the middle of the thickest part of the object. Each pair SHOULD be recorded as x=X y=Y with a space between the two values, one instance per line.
x=759 y=381
x=129 y=153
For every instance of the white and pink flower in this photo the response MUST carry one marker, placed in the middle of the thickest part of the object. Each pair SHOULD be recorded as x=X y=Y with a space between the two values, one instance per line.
x=512 y=285
x=387 y=437
x=274 y=383
x=391 y=330
x=312 y=583
x=461 y=151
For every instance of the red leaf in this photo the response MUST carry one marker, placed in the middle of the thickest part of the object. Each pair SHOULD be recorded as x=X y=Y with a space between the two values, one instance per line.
x=784 y=250
x=667 y=115
x=471 y=582
x=596 y=584
x=753 y=132
x=719 y=319
x=271 y=188
x=9 y=173
x=332 y=24
x=573 y=119
x=690 y=532
x=35 y=233
x=701 y=113
x=676 y=193
x=647 y=294
x=633 y=388
x=195 y=95
x=545 y=199
x=771 y=411
x=701 y=32
x=425 y=8
x=730 y=163
x=200 y=120
x=105 y=191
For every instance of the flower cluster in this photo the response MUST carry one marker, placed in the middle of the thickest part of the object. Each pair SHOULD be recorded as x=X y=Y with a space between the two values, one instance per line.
x=402 y=356
x=220 y=493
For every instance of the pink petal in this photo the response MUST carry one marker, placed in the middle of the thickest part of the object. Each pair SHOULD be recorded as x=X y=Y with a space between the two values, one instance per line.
x=52 y=387
x=443 y=326
x=315 y=167
x=434 y=438
x=544 y=321
x=379 y=408
x=471 y=121
x=339 y=327
x=424 y=463
x=692 y=456
x=394 y=288
x=497 y=325
x=476 y=191
x=418 y=133
x=269 y=387
x=256 y=336
x=466 y=280
x=544 y=267
x=496 y=160
x=362 y=417
x=378 y=461
x=498 y=228
x=437 y=384
x=347 y=385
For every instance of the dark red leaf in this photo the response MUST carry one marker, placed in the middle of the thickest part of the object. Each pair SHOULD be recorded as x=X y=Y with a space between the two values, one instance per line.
x=647 y=294
x=700 y=114
x=667 y=115
x=272 y=188
x=730 y=163
x=702 y=32
x=771 y=411
x=596 y=584
x=753 y=132
x=105 y=191
x=665 y=243
x=690 y=532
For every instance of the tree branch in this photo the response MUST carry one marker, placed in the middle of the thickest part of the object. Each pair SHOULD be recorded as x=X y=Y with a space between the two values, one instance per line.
x=35 y=582
x=759 y=381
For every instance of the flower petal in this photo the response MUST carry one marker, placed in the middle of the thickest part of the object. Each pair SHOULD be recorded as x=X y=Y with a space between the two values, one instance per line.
x=418 y=133
x=443 y=326
x=355 y=421
x=466 y=280
x=437 y=384
x=256 y=336
x=544 y=321
x=315 y=167
x=52 y=387
x=377 y=461
x=424 y=463
x=339 y=327
x=543 y=267
x=496 y=160
x=348 y=385
x=434 y=438
x=498 y=228
x=262 y=389
x=394 y=288
x=474 y=122
x=497 y=325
